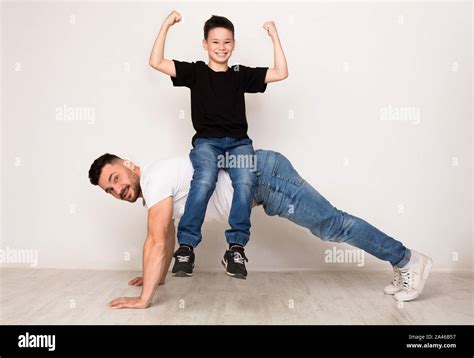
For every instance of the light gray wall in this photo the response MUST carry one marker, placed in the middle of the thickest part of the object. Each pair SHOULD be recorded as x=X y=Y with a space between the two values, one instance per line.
x=349 y=63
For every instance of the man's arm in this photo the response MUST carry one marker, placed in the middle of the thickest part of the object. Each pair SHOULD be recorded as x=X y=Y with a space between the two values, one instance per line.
x=156 y=252
x=138 y=281
x=280 y=68
x=157 y=60
x=170 y=244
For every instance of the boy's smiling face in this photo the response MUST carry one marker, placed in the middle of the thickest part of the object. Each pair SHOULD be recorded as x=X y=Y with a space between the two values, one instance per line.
x=219 y=44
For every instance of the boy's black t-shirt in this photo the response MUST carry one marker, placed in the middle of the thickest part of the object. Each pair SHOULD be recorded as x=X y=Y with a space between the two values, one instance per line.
x=217 y=98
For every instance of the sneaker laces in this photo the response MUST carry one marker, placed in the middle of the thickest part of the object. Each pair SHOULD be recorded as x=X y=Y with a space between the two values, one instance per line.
x=239 y=257
x=407 y=277
x=396 y=277
x=182 y=258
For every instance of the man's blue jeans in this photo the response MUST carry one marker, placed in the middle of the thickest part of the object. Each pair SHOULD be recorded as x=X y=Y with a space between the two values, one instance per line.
x=206 y=155
x=282 y=191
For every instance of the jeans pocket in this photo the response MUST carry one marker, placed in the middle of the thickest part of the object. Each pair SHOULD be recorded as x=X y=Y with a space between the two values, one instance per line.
x=284 y=170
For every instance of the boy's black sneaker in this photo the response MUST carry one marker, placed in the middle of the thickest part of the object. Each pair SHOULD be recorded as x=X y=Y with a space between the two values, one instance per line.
x=183 y=262
x=234 y=262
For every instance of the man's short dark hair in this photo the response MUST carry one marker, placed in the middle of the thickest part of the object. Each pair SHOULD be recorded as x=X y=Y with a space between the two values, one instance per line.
x=99 y=163
x=218 y=21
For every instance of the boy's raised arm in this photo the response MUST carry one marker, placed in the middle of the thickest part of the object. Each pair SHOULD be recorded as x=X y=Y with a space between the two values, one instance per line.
x=280 y=69
x=157 y=60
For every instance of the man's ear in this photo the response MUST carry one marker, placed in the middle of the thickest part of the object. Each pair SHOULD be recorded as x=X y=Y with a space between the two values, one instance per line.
x=130 y=165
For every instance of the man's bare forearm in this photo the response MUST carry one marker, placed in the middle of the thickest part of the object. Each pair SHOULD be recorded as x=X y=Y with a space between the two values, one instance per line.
x=169 y=252
x=154 y=266
x=155 y=256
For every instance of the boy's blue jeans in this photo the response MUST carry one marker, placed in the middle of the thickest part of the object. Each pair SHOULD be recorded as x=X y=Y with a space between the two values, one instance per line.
x=207 y=157
x=283 y=192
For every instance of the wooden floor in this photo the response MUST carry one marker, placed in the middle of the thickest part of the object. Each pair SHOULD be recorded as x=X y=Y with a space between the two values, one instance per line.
x=46 y=296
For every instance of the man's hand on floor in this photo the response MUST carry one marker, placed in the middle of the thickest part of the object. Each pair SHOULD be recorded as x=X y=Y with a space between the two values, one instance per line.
x=137 y=281
x=129 y=302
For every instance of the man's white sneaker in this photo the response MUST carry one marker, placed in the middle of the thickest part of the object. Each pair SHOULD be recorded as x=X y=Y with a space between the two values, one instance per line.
x=413 y=277
x=396 y=284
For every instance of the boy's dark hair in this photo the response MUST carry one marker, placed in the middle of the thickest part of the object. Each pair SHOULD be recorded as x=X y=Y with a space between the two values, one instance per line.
x=218 y=21
x=99 y=163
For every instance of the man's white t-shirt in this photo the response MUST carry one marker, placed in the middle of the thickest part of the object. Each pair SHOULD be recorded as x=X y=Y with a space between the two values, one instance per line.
x=172 y=177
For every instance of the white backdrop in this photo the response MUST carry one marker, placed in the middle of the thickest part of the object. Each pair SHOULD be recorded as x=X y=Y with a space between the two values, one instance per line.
x=376 y=114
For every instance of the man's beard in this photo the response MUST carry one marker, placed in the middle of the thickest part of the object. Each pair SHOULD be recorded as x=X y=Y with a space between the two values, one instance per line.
x=136 y=190
x=135 y=186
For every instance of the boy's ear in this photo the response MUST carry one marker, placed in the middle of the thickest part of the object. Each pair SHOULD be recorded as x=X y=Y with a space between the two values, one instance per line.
x=204 y=44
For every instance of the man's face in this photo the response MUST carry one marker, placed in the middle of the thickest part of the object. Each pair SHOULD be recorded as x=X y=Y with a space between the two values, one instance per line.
x=121 y=180
x=219 y=44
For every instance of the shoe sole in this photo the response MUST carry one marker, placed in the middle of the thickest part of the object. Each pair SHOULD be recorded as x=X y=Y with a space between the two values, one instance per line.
x=235 y=275
x=391 y=293
x=182 y=274
x=424 y=278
